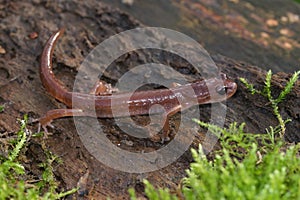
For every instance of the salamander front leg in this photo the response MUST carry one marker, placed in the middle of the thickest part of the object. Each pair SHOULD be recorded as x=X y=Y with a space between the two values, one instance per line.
x=166 y=120
x=102 y=88
x=46 y=120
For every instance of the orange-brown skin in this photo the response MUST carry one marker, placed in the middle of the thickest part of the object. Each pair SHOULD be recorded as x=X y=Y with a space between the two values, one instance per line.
x=138 y=103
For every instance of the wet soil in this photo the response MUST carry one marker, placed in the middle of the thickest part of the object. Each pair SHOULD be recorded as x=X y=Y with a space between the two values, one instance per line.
x=25 y=27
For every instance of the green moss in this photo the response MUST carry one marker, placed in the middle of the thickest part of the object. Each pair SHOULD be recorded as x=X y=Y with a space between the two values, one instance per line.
x=275 y=175
x=1 y=108
x=13 y=183
x=266 y=92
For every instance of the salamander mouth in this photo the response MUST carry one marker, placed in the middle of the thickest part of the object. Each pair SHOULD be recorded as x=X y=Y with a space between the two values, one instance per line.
x=231 y=89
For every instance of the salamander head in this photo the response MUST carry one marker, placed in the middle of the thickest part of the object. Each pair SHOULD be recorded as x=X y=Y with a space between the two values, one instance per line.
x=215 y=90
x=228 y=89
x=206 y=91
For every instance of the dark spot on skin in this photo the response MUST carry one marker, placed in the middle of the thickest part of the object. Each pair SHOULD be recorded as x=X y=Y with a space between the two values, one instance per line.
x=221 y=89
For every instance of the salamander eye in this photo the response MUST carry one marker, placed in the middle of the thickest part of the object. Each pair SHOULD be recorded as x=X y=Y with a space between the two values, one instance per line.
x=221 y=89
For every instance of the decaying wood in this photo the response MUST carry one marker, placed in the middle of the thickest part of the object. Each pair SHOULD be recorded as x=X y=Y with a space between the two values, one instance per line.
x=87 y=24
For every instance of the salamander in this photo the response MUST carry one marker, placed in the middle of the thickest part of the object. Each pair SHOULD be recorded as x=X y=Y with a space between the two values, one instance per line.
x=173 y=99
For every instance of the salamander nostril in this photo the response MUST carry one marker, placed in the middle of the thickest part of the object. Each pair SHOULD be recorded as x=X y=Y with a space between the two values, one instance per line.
x=221 y=89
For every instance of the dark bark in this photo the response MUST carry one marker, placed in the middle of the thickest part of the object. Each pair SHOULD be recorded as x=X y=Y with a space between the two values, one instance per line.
x=87 y=24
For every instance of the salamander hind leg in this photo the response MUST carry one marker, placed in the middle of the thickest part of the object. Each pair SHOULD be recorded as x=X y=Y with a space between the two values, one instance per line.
x=47 y=119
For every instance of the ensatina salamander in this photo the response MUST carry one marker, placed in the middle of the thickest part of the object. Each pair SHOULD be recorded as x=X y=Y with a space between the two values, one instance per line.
x=138 y=103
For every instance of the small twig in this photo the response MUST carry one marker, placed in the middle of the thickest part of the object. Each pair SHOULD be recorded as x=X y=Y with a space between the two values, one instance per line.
x=259 y=157
x=11 y=80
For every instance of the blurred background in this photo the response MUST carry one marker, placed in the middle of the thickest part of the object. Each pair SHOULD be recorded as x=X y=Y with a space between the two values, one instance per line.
x=263 y=33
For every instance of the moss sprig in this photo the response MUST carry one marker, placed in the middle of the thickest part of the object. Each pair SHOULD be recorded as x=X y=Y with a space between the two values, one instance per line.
x=267 y=92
